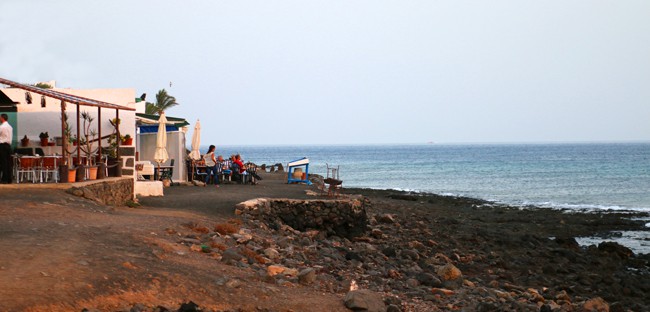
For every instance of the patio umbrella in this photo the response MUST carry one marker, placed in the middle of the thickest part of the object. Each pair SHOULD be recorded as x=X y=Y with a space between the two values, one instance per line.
x=161 y=155
x=196 y=141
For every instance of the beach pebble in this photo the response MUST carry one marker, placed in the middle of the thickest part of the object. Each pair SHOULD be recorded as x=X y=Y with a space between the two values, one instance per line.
x=188 y=240
x=410 y=254
x=412 y=283
x=442 y=291
x=234 y=283
x=385 y=218
x=393 y=308
x=271 y=253
x=138 y=307
x=417 y=245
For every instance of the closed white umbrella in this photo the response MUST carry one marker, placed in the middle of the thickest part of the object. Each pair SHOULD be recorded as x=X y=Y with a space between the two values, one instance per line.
x=196 y=141
x=161 y=155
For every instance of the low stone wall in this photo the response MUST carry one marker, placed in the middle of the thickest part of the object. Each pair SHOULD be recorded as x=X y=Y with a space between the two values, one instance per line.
x=113 y=192
x=341 y=217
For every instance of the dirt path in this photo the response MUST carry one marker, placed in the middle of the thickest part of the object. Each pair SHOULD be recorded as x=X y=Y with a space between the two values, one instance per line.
x=62 y=253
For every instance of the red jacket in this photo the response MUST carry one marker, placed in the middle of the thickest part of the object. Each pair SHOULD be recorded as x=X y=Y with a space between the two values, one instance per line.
x=240 y=164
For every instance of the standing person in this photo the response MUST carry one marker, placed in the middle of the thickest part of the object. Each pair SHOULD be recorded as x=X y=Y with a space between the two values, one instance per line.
x=6 y=135
x=210 y=166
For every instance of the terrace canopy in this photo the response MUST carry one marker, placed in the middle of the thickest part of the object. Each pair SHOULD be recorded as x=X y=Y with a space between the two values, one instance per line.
x=72 y=99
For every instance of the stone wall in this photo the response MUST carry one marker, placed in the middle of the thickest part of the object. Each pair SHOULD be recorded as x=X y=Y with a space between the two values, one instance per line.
x=112 y=192
x=340 y=217
x=127 y=153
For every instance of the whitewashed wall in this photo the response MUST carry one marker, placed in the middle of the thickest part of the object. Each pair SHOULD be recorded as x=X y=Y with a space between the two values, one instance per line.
x=175 y=149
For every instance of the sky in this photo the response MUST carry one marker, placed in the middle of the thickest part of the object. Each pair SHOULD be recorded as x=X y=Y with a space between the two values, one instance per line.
x=354 y=72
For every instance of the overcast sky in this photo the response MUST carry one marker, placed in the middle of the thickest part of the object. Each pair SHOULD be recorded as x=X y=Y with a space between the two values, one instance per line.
x=354 y=72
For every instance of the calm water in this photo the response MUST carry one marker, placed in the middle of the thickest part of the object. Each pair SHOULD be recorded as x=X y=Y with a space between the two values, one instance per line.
x=581 y=176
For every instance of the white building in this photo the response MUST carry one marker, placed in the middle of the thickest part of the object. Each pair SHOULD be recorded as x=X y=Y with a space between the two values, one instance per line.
x=34 y=110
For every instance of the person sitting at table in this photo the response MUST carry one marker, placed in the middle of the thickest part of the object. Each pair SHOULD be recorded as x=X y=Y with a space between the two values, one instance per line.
x=237 y=167
x=210 y=166
x=219 y=169
x=225 y=166
x=242 y=168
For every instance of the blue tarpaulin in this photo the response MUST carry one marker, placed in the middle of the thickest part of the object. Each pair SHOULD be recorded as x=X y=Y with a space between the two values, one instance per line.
x=154 y=128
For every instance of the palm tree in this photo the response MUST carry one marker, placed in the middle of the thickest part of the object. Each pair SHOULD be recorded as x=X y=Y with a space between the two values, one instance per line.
x=163 y=102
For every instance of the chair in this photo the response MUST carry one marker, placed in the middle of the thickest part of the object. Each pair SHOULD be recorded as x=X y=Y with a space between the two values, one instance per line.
x=200 y=171
x=218 y=171
x=251 y=172
x=332 y=182
x=50 y=166
x=167 y=173
x=27 y=166
x=225 y=173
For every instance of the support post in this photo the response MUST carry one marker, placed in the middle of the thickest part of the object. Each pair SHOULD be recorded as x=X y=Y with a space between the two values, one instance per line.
x=64 y=140
x=99 y=129
x=78 y=136
x=119 y=137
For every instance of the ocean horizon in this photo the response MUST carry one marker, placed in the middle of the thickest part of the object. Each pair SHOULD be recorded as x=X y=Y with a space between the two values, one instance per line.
x=580 y=176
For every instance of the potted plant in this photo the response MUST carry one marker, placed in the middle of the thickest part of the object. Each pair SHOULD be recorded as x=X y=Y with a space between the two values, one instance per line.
x=44 y=136
x=113 y=163
x=68 y=169
x=127 y=140
x=24 y=142
x=87 y=145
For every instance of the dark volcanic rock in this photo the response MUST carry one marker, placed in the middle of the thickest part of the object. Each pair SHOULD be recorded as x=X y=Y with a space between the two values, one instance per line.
x=615 y=248
x=429 y=279
x=389 y=251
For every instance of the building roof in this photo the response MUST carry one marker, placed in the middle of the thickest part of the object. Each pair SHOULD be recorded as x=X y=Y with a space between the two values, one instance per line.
x=68 y=98
x=153 y=119
x=5 y=100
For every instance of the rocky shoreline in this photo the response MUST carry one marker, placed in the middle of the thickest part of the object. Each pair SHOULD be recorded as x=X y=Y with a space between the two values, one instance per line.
x=424 y=252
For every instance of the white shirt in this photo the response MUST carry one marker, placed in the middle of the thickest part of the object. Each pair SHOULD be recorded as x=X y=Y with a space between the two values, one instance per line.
x=6 y=133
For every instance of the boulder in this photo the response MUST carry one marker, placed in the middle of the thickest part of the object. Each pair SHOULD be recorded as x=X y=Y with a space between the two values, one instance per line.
x=450 y=276
x=231 y=254
x=615 y=248
x=274 y=270
x=429 y=279
x=364 y=300
x=307 y=276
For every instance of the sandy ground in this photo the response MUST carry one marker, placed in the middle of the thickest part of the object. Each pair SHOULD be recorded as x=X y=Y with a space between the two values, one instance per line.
x=63 y=253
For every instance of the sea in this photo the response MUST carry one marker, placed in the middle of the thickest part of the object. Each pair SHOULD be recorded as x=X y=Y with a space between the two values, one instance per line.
x=576 y=177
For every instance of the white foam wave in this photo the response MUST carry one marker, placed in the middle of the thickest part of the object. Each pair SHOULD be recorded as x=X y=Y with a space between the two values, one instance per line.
x=637 y=241
x=528 y=204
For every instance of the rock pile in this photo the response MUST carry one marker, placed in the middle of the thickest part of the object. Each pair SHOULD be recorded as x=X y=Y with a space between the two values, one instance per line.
x=344 y=217
x=398 y=265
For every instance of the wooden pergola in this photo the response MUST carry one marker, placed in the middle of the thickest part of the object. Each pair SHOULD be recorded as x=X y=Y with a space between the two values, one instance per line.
x=78 y=101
